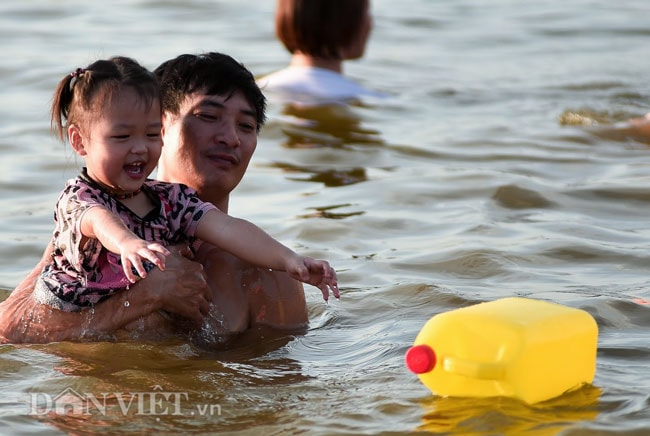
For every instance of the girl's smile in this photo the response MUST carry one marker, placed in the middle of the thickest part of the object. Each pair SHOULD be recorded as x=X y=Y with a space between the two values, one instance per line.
x=135 y=170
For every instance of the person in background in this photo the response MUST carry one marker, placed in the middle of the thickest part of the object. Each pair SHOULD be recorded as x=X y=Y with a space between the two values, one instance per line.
x=601 y=125
x=320 y=35
x=205 y=99
x=639 y=126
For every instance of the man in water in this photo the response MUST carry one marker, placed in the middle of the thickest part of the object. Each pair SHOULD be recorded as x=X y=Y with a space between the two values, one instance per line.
x=212 y=114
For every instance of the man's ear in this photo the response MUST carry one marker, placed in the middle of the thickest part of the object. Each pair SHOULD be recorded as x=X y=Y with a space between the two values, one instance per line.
x=165 y=119
x=76 y=140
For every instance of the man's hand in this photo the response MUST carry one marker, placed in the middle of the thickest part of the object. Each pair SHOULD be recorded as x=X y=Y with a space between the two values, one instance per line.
x=181 y=288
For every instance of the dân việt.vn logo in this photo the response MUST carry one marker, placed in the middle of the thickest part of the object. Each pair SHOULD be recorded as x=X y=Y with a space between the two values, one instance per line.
x=156 y=402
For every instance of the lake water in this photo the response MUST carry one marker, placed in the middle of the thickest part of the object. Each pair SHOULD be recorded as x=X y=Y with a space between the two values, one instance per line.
x=487 y=174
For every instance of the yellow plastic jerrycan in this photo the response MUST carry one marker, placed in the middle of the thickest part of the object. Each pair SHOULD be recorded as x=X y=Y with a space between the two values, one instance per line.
x=515 y=347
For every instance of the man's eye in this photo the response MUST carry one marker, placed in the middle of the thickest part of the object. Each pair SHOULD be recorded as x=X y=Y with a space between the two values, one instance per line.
x=153 y=135
x=120 y=136
x=249 y=127
x=205 y=116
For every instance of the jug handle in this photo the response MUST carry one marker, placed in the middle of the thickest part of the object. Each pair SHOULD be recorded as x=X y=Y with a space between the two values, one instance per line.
x=487 y=371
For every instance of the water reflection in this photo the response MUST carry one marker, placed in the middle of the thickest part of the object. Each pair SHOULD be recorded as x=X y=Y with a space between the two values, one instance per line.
x=335 y=125
x=329 y=177
x=329 y=212
x=140 y=386
x=328 y=145
x=507 y=416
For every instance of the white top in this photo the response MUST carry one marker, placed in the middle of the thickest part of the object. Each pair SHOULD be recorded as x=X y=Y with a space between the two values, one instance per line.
x=313 y=85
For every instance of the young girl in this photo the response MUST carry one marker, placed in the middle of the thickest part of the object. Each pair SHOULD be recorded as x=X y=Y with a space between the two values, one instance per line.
x=112 y=223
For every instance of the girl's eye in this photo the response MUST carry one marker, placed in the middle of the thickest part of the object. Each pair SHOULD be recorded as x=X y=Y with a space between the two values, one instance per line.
x=121 y=136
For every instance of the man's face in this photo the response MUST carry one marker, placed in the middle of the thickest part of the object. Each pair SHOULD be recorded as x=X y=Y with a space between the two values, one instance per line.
x=209 y=144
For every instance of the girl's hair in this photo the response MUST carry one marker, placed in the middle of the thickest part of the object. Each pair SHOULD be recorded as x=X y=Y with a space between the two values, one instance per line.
x=319 y=28
x=82 y=94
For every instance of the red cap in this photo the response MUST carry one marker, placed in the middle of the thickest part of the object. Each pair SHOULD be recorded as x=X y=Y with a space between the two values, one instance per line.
x=420 y=359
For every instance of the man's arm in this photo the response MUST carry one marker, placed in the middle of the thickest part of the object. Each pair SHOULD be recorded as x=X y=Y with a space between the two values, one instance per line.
x=181 y=289
x=245 y=295
x=278 y=301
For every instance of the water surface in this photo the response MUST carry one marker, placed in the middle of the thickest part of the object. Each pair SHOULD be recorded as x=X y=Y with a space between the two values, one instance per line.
x=492 y=171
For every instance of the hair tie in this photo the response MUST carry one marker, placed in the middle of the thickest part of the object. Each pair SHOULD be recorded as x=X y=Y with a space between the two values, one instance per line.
x=75 y=75
x=78 y=72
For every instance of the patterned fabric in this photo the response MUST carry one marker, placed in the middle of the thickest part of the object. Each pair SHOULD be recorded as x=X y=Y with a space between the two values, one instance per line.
x=82 y=272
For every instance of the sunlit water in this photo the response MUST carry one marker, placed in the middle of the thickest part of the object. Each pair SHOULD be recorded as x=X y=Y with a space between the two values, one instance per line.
x=486 y=174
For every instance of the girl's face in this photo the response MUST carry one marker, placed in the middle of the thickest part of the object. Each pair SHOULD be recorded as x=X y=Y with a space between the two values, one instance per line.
x=122 y=144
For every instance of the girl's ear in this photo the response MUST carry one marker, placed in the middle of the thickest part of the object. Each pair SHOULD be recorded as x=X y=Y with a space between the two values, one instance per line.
x=76 y=140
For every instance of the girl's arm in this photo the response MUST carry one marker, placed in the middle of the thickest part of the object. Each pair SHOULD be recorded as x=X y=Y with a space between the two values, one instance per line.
x=250 y=243
x=100 y=223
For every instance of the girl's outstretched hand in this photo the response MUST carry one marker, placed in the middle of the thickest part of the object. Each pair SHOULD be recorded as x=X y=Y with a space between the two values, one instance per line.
x=315 y=272
x=134 y=252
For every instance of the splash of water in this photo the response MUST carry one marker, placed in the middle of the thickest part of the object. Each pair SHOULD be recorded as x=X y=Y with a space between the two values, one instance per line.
x=212 y=330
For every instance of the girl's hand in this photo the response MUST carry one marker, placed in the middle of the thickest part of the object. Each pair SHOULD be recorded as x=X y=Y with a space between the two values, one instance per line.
x=314 y=272
x=136 y=250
